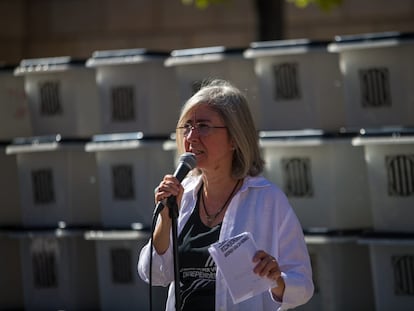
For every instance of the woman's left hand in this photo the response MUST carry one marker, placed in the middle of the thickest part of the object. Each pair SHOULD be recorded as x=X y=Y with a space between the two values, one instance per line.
x=267 y=266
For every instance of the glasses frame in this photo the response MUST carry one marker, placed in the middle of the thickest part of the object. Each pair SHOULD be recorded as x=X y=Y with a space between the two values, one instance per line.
x=188 y=128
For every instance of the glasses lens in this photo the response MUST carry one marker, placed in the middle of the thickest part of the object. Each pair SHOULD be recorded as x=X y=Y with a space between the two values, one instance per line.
x=203 y=129
x=185 y=130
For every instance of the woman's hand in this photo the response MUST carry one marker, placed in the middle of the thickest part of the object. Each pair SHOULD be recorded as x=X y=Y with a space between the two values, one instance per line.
x=169 y=186
x=267 y=266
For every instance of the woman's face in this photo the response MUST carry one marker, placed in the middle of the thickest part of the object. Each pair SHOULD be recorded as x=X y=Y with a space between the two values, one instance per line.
x=207 y=137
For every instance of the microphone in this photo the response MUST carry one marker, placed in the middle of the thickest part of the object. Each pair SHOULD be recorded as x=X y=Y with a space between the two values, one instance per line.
x=186 y=163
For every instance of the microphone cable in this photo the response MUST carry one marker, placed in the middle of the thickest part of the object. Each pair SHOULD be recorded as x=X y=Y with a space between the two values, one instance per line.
x=154 y=223
x=187 y=162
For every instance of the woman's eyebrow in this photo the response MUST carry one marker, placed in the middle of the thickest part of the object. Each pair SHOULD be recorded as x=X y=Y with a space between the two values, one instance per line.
x=190 y=121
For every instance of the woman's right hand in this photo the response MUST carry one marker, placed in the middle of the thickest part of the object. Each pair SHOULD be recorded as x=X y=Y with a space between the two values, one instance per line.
x=169 y=186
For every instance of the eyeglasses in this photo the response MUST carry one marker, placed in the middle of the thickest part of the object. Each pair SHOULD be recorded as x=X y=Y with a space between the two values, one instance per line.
x=202 y=129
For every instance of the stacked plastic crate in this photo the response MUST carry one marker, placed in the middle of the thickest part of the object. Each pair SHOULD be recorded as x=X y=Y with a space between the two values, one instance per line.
x=299 y=85
x=120 y=287
x=378 y=71
x=310 y=156
x=58 y=270
x=57 y=184
x=193 y=67
x=139 y=107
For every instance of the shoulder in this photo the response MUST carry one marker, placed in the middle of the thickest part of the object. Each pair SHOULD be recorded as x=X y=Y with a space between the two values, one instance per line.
x=262 y=185
x=261 y=189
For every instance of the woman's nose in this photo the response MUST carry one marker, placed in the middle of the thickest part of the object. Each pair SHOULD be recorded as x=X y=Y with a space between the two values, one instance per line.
x=193 y=133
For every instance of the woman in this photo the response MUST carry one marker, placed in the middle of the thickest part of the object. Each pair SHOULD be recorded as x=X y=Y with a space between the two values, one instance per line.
x=221 y=198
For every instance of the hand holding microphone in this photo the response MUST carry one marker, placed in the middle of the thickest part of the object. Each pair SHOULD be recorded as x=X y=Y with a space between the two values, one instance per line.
x=169 y=192
x=169 y=185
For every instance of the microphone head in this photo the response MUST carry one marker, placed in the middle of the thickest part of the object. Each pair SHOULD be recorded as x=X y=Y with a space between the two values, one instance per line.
x=189 y=159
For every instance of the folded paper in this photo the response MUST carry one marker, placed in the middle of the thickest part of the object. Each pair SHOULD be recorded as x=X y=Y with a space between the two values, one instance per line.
x=234 y=258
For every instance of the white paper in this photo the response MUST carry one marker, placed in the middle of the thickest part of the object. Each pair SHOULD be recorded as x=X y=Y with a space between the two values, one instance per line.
x=234 y=258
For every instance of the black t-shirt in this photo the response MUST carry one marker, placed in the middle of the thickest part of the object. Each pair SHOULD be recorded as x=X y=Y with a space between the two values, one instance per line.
x=197 y=268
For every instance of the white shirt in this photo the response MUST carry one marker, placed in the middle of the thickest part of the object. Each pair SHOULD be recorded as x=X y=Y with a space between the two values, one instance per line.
x=261 y=208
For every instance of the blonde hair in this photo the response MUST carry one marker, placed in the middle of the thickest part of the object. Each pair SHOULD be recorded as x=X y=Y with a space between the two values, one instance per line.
x=231 y=104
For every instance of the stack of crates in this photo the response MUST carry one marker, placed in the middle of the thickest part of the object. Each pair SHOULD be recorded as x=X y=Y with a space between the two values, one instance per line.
x=56 y=183
x=324 y=177
x=389 y=158
x=300 y=85
x=84 y=144
x=139 y=109
x=310 y=156
x=130 y=166
x=378 y=73
x=138 y=104
x=57 y=178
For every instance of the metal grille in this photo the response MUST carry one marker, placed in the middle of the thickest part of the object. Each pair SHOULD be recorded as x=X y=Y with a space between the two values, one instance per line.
x=400 y=171
x=123 y=182
x=286 y=81
x=123 y=103
x=44 y=253
x=403 y=267
x=42 y=184
x=121 y=265
x=50 y=98
x=297 y=177
x=375 y=87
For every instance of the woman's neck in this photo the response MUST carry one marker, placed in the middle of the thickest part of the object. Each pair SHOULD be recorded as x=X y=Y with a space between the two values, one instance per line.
x=215 y=187
x=216 y=195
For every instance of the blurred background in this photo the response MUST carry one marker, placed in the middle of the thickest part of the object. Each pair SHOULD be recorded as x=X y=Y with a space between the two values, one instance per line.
x=90 y=91
x=44 y=28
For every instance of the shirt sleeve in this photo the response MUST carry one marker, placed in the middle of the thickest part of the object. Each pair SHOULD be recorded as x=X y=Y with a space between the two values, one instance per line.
x=264 y=210
x=293 y=259
x=162 y=267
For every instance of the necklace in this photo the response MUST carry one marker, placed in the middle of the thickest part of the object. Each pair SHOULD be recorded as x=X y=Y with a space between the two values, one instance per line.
x=211 y=218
